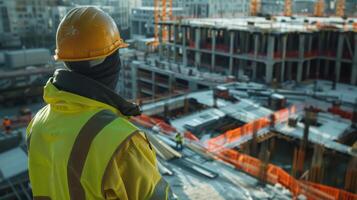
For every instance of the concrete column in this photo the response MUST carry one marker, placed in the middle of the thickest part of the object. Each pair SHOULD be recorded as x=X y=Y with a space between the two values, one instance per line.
x=184 y=47
x=271 y=46
x=153 y=81
x=326 y=68
x=269 y=64
x=284 y=43
x=169 y=46
x=254 y=64
x=246 y=43
x=140 y=31
x=169 y=32
x=321 y=39
x=354 y=64
x=290 y=70
x=240 y=68
x=213 y=56
x=171 y=83
x=134 y=83
x=175 y=42
x=299 y=71
x=309 y=61
x=339 y=56
x=197 y=46
x=160 y=43
x=301 y=57
x=231 y=51
x=269 y=71
x=264 y=41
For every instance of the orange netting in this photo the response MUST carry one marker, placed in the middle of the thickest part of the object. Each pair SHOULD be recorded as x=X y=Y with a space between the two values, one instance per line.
x=251 y=165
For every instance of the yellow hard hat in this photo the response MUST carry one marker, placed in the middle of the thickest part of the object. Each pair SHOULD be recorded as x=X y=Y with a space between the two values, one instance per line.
x=87 y=33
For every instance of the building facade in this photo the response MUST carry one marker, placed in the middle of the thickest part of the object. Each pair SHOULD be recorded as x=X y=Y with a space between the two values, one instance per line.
x=209 y=8
x=145 y=76
x=33 y=23
x=26 y=23
x=143 y=20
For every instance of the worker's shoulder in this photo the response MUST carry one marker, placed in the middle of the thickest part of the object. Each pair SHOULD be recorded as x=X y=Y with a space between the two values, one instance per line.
x=40 y=115
x=121 y=123
x=137 y=144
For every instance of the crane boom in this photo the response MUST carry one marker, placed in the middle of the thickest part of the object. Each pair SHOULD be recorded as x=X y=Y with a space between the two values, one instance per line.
x=287 y=8
x=254 y=7
x=319 y=8
x=340 y=8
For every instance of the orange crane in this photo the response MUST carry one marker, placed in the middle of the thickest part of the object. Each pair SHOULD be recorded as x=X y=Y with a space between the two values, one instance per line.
x=254 y=7
x=340 y=8
x=161 y=15
x=156 y=26
x=319 y=8
x=288 y=9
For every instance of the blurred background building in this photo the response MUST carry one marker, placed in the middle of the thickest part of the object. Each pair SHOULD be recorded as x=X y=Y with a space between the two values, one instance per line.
x=33 y=23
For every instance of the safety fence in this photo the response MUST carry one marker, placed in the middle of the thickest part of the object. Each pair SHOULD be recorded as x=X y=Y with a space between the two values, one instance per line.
x=342 y=113
x=253 y=166
x=274 y=175
x=160 y=125
x=232 y=136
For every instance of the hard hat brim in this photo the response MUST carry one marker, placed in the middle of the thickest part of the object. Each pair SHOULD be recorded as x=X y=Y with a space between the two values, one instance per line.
x=59 y=58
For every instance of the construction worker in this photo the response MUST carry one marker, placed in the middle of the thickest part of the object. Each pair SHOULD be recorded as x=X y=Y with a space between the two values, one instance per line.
x=81 y=144
x=179 y=141
x=6 y=123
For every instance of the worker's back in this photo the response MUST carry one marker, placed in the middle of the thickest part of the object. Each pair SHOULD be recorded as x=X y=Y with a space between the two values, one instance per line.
x=70 y=142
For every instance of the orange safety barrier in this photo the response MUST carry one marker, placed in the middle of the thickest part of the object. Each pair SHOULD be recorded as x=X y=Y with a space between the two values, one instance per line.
x=143 y=120
x=231 y=136
x=340 y=112
x=252 y=166
x=150 y=122
x=191 y=136
x=275 y=175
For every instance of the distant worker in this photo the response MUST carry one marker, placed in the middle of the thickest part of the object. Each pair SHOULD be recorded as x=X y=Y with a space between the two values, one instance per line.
x=179 y=141
x=81 y=144
x=6 y=123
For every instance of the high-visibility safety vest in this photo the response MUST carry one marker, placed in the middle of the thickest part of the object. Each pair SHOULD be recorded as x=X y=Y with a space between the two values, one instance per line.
x=71 y=144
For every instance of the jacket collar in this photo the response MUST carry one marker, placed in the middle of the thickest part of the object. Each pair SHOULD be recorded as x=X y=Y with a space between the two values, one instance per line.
x=81 y=85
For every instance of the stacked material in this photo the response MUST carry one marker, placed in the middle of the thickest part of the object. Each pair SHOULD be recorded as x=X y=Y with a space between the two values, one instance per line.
x=163 y=150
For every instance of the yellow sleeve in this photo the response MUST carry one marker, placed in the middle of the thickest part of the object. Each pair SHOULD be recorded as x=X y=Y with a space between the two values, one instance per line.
x=133 y=173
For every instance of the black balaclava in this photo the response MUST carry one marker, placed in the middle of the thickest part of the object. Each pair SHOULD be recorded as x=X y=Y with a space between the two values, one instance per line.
x=107 y=72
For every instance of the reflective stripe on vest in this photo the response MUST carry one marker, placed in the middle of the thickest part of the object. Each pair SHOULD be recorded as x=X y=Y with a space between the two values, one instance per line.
x=80 y=151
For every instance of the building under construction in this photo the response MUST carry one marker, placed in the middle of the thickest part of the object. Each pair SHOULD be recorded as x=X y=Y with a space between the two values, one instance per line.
x=265 y=49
